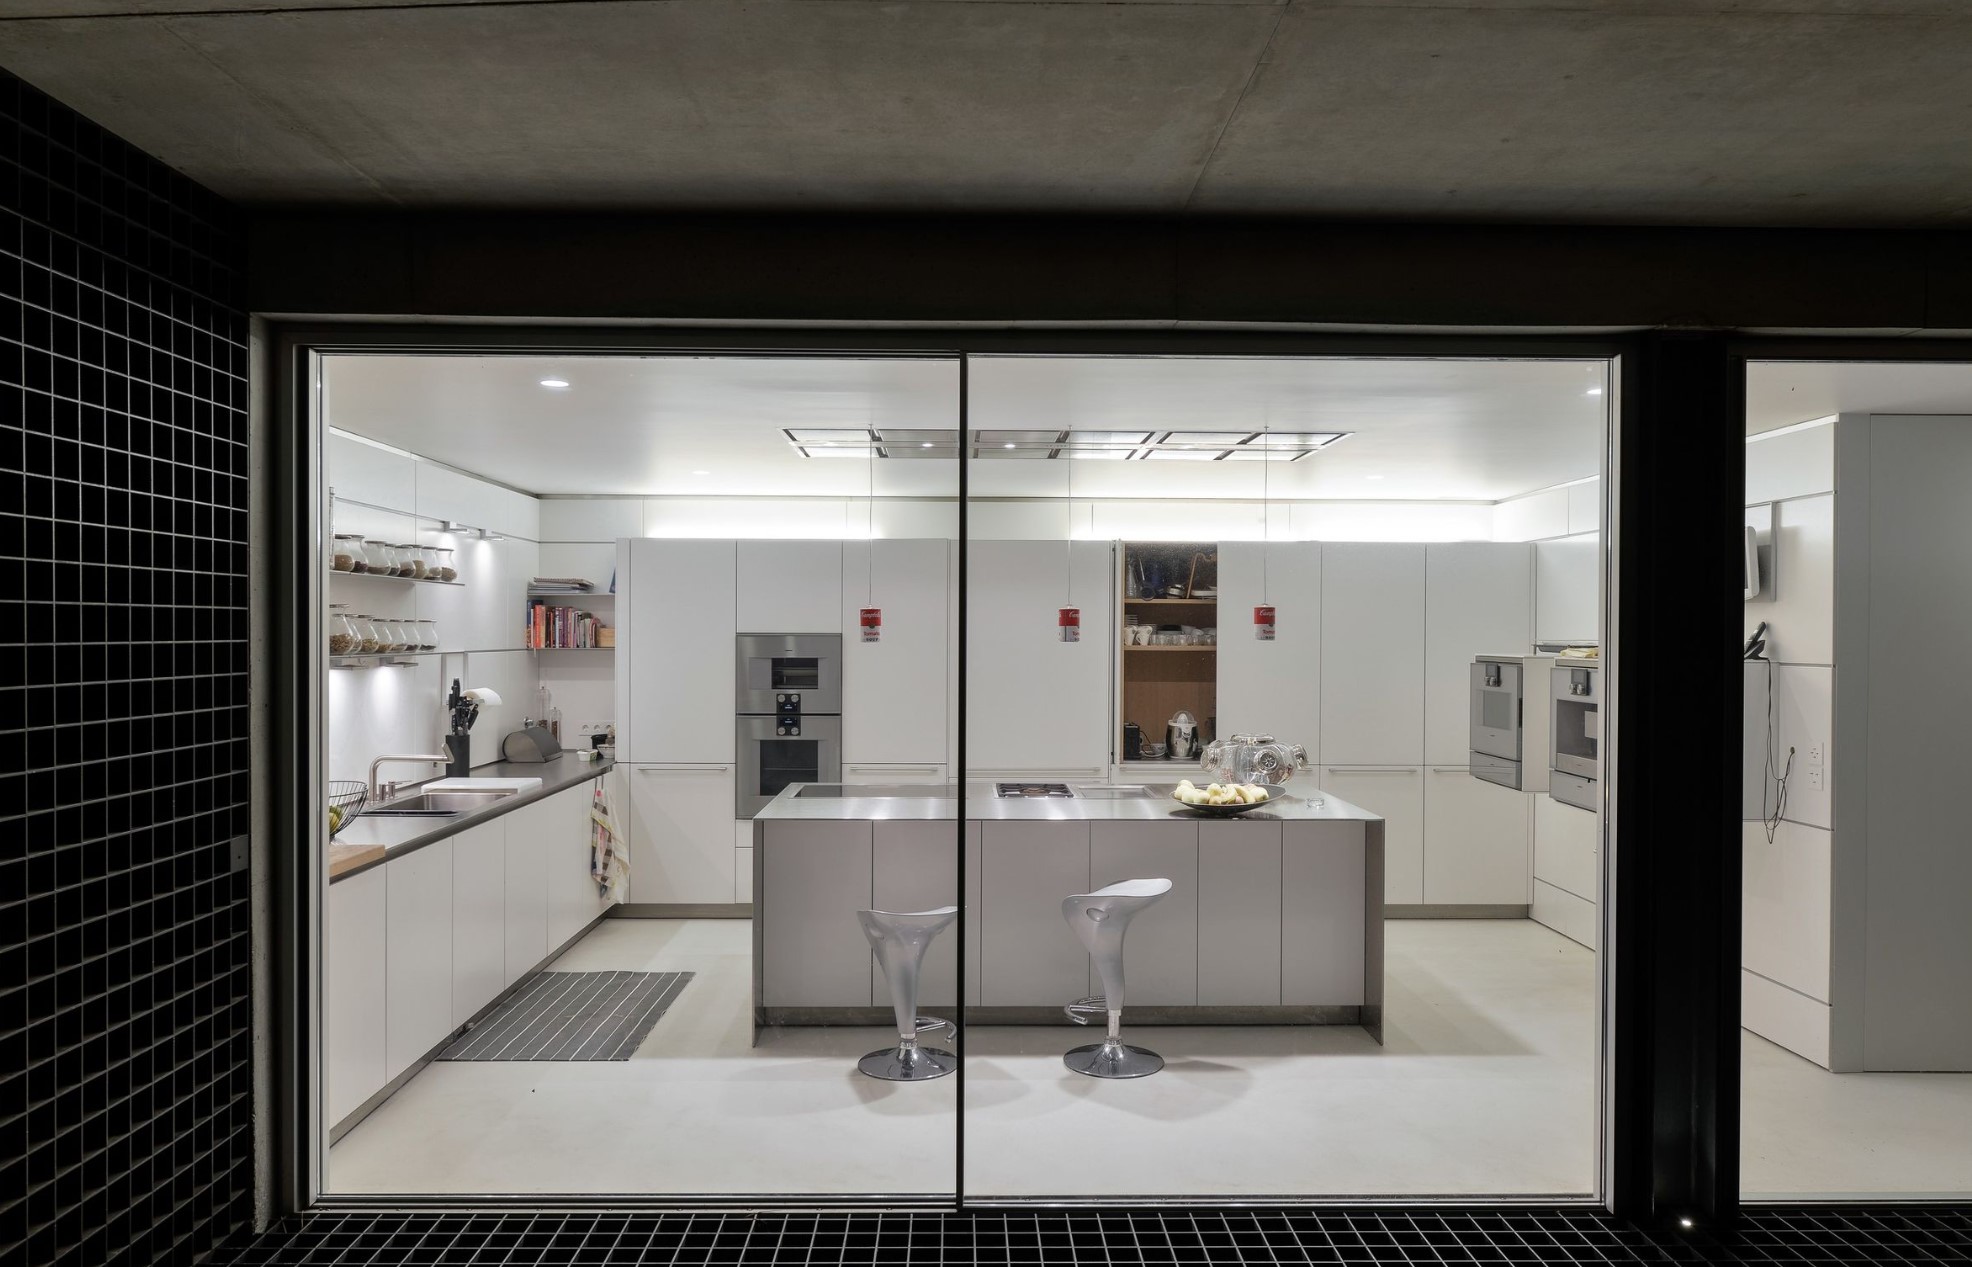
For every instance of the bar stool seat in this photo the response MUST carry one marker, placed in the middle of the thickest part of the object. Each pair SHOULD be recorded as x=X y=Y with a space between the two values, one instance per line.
x=900 y=939
x=1101 y=919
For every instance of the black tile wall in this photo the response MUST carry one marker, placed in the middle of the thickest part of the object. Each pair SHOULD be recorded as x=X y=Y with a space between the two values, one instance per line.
x=1425 y=1235
x=125 y=1049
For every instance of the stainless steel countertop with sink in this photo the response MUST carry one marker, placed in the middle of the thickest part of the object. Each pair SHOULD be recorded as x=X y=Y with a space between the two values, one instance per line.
x=1147 y=802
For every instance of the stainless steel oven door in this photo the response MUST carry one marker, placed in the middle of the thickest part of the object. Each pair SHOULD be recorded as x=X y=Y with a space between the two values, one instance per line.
x=1496 y=709
x=1576 y=733
x=775 y=666
x=770 y=760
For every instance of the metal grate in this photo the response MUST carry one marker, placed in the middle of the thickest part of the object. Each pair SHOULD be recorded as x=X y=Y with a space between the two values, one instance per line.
x=1928 y=1235
x=573 y=1016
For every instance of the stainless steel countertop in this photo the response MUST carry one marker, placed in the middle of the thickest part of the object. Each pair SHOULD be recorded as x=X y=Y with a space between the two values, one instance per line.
x=400 y=836
x=1297 y=803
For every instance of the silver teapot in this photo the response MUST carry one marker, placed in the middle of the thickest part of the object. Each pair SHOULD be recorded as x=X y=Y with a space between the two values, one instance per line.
x=1253 y=759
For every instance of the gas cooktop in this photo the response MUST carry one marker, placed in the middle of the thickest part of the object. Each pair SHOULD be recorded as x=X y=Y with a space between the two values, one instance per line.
x=1052 y=791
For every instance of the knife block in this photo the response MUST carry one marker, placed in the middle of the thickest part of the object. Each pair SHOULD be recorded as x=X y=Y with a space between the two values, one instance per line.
x=459 y=749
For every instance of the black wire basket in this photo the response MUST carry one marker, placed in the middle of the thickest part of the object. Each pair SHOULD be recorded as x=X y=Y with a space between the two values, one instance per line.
x=346 y=800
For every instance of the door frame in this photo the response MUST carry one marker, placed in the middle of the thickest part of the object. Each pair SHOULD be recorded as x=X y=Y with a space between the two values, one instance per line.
x=1632 y=1070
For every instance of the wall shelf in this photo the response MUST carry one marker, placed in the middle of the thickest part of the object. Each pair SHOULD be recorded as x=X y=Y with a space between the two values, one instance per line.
x=573 y=597
x=1207 y=647
x=387 y=660
x=1171 y=602
x=397 y=580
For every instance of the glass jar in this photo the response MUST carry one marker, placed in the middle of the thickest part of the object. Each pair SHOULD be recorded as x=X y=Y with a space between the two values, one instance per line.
x=413 y=557
x=343 y=638
x=446 y=572
x=376 y=557
x=367 y=641
x=427 y=635
x=346 y=552
x=403 y=635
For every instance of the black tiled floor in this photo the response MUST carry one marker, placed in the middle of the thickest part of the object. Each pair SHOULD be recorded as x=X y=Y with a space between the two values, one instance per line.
x=1829 y=1235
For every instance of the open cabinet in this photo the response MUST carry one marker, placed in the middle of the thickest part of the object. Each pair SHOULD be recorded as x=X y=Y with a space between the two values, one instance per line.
x=1170 y=628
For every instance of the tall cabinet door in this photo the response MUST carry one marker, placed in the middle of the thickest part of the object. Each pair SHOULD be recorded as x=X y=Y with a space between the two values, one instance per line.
x=894 y=689
x=1037 y=703
x=1271 y=688
x=1478 y=599
x=790 y=586
x=1372 y=654
x=675 y=659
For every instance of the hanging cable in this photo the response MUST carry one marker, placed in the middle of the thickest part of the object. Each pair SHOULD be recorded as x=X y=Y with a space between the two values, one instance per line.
x=1266 y=502
x=1773 y=786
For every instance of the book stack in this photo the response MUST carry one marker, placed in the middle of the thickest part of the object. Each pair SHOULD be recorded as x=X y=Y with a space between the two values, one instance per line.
x=563 y=627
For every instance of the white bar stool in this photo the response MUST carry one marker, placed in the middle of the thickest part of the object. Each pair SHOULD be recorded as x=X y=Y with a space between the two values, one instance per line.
x=900 y=939
x=1100 y=919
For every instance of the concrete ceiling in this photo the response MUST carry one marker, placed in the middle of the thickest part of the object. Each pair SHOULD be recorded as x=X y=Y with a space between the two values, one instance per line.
x=1801 y=112
x=711 y=426
x=1782 y=393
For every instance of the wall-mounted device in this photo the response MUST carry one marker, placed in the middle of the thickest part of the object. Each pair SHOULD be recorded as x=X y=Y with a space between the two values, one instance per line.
x=789 y=714
x=1510 y=720
x=1575 y=724
x=1749 y=567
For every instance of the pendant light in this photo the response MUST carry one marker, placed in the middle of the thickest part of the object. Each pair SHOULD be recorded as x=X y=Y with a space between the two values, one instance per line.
x=1068 y=619
x=871 y=619
x=1263 y=615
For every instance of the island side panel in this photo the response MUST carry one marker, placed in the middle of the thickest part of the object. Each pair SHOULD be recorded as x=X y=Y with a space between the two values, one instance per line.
x=1373 y=864
x=916 y=868
x=1239 y=913
x=1028 y=956
x=814 y=877
x=1323 y=875
x=1160 y=952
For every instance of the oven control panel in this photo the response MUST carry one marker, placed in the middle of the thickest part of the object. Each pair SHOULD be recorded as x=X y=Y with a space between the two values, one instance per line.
x=787 y=713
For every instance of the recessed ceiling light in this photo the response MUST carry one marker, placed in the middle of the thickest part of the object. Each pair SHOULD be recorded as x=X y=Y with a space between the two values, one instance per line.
x=1208 y=439
x=1007 y=446
x=927 y=445
x=1595 y=391
x=1184 y=455
x=556 y=383
x=701 y=472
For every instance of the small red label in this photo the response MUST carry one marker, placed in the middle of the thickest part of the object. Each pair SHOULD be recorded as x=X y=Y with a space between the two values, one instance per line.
x=872 y=624
x=1263 y=623
x=1068 y=624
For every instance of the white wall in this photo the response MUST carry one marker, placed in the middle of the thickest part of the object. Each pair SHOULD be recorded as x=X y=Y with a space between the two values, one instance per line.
x=1788 y=881
x=395 y=496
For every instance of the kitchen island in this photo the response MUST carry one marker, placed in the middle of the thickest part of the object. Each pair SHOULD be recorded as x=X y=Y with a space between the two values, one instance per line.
x=1274 y=917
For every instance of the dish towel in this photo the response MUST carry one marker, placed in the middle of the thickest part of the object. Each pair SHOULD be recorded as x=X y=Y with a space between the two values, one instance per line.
x=609 y=860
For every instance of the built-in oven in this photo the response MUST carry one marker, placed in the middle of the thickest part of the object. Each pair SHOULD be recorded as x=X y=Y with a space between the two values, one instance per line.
x=1509 y=720
x=775 y=752
x=788 y=707
x=772 y=666
x=1575 y=744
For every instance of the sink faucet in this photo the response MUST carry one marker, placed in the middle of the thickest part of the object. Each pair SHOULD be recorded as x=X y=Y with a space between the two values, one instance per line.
x=376 y=793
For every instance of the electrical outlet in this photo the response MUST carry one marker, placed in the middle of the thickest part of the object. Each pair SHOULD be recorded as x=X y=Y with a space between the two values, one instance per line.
x=1814 y=754
x=1814 y=778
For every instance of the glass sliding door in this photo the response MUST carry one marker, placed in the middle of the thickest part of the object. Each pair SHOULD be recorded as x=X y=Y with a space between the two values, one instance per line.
x=1271 y=895
x=1856 y=1051
x=640 y=869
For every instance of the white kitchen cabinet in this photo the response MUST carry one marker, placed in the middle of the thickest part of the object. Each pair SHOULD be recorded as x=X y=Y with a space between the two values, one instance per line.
x=894 y=689
x=1571 y=916
x=418 y=985
x=1322 y=947
x=790 y=587
x=526 y=934
x=682 y=842
x=1565 y=852
x=1239 y=913
x=1035 y=703
x=355 y=1049
x=1785 y=934
x=574 y=900
x=1475 y=840
x=916 y=868
x=479 y=917
x=677 y=620
x=1478 y=599
x=1567 y=589
x=1162 y=964
x=1397 y=794
x=1271 y=688
x=1027 y=950
x=814 y=953
x=361 y=471
x=1372 y=654
x=866 y=773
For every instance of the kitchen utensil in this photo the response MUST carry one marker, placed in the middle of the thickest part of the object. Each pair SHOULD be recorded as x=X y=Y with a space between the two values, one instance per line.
x=530 y=743
x=1181 y=736
x=1252 y=759
x=348 y=798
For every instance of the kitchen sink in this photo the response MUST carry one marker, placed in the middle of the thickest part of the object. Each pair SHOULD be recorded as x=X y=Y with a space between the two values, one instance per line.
x=442 y=804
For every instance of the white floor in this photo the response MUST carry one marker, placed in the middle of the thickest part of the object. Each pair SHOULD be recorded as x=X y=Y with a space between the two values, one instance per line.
x=1485 y=1086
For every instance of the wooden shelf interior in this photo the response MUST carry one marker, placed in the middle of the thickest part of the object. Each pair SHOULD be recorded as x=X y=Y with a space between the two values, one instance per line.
x=1156 y=687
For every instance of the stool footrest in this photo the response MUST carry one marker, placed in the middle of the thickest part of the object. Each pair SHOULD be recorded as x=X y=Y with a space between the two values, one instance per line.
x=1081 y=1010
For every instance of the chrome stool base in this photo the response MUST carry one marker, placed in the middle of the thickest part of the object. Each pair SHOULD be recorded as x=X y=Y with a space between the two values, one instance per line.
x=908 y=1064
x=1113 y=1060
